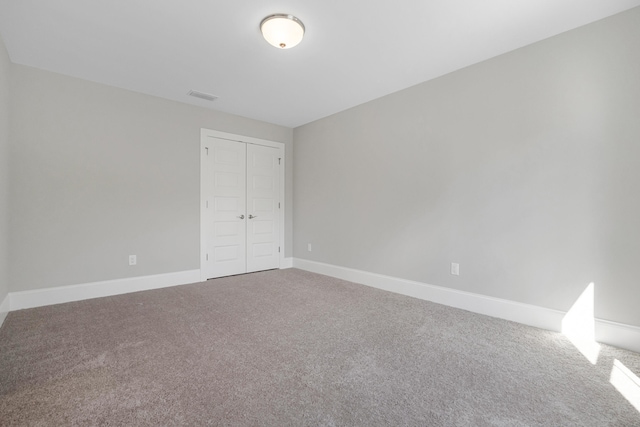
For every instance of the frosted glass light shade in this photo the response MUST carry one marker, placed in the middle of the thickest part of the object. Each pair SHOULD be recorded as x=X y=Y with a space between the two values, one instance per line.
x=282 y=31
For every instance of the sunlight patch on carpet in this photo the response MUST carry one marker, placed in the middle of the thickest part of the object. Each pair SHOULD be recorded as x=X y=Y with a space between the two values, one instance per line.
x=626 y=382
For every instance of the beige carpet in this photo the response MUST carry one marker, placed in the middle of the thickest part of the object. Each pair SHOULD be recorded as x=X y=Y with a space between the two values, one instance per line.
x=292 y=348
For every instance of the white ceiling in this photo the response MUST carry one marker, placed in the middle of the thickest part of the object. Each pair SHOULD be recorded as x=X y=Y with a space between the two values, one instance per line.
x=353 y=51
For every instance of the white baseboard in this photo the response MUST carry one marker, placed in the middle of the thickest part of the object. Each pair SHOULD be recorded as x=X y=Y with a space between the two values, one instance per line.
x=616 y=334
x=286 y=263
x=4 y=309
x=62 y=294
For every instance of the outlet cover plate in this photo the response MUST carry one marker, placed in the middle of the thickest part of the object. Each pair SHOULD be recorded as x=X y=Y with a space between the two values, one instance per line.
x=455 y=268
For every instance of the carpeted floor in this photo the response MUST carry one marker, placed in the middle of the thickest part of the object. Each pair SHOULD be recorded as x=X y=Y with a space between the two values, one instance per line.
x=292 y=348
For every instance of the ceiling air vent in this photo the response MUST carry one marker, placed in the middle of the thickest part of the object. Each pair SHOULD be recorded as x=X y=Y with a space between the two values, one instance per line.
x=202 y=95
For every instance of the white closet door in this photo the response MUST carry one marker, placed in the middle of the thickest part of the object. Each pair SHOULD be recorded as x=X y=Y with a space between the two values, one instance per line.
x=263 y=219
x=225 y=211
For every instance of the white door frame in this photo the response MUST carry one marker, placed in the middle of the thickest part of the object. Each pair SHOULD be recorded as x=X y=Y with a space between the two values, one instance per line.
x=205 y=136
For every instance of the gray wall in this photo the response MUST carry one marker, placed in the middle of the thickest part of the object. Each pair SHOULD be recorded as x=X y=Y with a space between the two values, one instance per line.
x=524 y=169
x=5 y=68
x=101 y=173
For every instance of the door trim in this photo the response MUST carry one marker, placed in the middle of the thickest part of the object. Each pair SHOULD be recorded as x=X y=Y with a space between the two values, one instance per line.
x=205 y=136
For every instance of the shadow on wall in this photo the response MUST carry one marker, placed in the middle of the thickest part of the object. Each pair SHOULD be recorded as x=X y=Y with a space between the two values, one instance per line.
x=578 y=325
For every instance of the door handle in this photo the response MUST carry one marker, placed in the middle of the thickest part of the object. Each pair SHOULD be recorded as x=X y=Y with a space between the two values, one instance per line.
x=241 y=217
x=251 y=216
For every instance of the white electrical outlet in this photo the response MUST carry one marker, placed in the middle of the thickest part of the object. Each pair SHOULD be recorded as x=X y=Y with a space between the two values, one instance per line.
x=132 y=260
x=455 y=268
x=309 y=247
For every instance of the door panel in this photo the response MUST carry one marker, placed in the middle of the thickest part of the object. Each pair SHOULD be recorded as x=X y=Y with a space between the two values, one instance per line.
x=225 y=191
x=263 y=219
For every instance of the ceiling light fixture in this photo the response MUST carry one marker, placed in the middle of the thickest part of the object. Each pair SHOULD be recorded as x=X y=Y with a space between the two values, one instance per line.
x=282 y=31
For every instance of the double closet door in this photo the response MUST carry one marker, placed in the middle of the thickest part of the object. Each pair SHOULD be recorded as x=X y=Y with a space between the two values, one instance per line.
x=241 y=207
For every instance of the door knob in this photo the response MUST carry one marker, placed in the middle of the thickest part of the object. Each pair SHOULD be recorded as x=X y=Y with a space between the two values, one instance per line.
x=251 y=216
x=241 y=217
